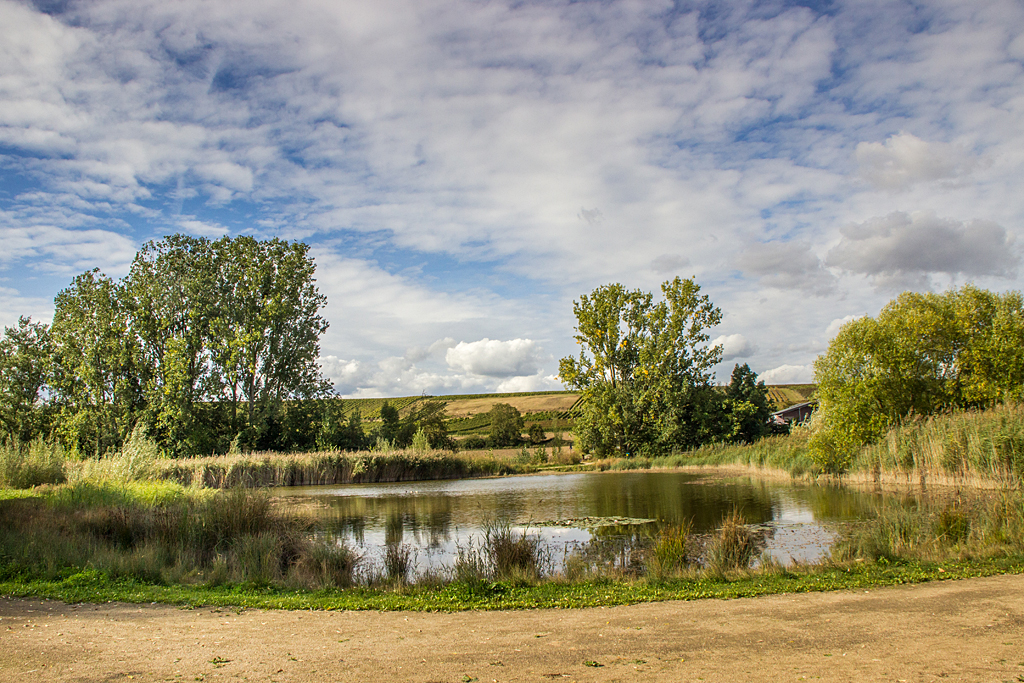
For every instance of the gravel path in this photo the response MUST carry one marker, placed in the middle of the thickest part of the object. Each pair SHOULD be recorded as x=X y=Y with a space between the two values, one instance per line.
x=951 y=631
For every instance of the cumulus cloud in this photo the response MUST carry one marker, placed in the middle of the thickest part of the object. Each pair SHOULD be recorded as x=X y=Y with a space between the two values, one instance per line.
x=788 y=374
x=788 y=265
x=834 y=326
x=916 y=245
x=733 y=346
x=538 y=382
x=905 y=159
x=494 y=358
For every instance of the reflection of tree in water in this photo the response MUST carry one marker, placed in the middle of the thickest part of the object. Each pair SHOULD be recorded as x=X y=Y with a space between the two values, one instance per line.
x=427 y=518
x=675 y=498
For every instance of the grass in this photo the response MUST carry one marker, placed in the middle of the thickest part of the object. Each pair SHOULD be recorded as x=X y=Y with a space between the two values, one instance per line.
x=977 y=448
x=140 y=528
x=965 y=447
x=333 y=467
x=92 y=586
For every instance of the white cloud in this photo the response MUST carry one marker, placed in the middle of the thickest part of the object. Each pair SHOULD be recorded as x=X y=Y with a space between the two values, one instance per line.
x=538 y=382
x=833 y=327
x=494 y=358
x=733 y=346
x=788 y=374
x=905 y=159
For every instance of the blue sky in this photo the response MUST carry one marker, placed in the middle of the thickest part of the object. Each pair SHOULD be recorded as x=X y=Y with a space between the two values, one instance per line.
x=464 y=170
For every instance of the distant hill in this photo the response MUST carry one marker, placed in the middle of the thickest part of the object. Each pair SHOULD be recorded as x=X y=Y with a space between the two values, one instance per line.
x=467 y=410
x=786 y=395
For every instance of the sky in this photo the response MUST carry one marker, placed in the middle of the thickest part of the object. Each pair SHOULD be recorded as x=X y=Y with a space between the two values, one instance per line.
x=464 y=170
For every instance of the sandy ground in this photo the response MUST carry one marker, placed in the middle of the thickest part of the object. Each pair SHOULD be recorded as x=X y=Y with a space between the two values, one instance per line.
x=952 y=631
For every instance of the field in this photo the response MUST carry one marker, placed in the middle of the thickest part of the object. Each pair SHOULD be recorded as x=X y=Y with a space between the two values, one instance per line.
x=467 y=413
x=785 y=395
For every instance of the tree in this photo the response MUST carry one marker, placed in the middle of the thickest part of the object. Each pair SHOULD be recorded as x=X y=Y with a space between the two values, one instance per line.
x=644 y=369
x=24 y=362
x=924 y=353
x=506 y=425
x=536 y=433
x=170 y=300
x=94 y=380
x=266 y=334
x=748 y=405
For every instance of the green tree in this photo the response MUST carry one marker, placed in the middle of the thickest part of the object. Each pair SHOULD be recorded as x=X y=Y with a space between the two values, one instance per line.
x=748 y=405
x=170 y=299
x=644 y=369
x=94 y=380
x=536 y=433
x=24 y=363
x=924 y=353
x=506 y=425
x=266 y=334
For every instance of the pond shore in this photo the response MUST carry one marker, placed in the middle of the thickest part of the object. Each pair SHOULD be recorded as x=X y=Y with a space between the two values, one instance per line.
x=881 y=634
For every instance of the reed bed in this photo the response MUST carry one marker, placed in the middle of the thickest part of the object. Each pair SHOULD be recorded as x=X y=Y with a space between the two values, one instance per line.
x=332 y=467
x=980 y=448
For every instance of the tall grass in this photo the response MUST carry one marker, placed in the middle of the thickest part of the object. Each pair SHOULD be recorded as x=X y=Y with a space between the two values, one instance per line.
x=23 y=465
x=982 y=448
x=781 y=453
x=331 y=467
x=971 y=447
x=935 y=529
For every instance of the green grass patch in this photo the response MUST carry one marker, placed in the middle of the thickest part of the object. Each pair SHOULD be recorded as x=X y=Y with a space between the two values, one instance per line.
x=92 y=586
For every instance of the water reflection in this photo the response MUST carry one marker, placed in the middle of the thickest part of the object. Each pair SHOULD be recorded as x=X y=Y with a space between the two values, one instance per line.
x=434 y=518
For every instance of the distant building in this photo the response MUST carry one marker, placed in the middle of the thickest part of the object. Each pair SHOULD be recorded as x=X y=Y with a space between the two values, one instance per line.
x=801 y=412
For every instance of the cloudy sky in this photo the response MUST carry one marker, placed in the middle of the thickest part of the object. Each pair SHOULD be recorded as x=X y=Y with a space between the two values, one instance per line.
x=464 y=169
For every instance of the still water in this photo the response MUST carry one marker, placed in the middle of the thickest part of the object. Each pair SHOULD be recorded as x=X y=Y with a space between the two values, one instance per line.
x=435 y=518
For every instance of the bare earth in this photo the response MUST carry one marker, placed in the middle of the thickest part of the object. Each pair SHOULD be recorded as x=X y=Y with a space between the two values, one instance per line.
x=953 y=631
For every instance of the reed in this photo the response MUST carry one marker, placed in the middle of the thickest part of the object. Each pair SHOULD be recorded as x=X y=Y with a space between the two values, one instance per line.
x=975 y=447
x=24 y=465
x=332 y=467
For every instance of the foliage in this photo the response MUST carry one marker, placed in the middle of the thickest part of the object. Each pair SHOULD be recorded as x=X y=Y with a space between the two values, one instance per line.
x=94 y=380
x=644 y=369
x=193 y=321
x=536 y=433
x=506 y=425
x=923 y=354
x=24 y=364
x=748 y=405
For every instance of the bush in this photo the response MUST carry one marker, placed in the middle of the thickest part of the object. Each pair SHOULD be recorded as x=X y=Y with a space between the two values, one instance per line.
x=23 y=466
x=506 y=425
x=536 y=433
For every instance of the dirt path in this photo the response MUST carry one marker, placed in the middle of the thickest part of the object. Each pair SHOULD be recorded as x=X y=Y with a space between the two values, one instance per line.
x=952 y=631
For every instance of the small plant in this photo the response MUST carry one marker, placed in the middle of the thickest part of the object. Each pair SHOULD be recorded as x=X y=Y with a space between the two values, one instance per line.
x=398 y=561
x=420 y=442
x=671 y=551
x=734 y=546
x=512 y=555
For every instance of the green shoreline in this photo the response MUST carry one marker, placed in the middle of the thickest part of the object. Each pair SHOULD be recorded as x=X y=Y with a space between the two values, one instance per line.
x=92 y=587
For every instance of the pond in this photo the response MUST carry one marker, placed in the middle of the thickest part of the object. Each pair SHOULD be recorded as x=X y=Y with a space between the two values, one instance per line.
x=435 y=518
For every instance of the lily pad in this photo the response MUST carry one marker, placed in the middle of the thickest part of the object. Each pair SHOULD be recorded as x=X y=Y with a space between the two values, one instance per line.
x=595 y=522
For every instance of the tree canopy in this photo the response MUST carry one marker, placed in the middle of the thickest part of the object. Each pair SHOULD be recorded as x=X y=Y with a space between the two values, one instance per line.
x=923 y=354
x=194 y=322
x=644 y=369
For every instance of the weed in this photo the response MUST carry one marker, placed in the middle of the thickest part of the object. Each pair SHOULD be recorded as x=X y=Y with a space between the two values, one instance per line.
x=733 y=547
